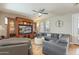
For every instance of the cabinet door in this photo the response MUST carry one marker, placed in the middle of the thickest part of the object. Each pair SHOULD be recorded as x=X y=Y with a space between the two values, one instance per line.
x=11 y=27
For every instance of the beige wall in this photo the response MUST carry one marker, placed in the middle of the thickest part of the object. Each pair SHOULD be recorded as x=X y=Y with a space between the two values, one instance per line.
x=2 y=21
x=67 y=24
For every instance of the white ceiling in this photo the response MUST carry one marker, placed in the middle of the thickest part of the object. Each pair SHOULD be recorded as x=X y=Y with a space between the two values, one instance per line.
x=51 y=8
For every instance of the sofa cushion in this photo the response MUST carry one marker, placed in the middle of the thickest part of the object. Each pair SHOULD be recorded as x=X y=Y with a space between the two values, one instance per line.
x=62 y=42
x=55 y=36
x=14 y=41
x=48 y=38
x=51 y=38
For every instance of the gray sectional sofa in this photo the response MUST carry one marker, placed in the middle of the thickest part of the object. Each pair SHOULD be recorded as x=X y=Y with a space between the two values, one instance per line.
x=15 y=46
x=55 y=44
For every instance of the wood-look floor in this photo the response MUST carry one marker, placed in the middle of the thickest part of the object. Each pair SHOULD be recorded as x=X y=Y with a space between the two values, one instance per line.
x=74 y=49
x=37 y=49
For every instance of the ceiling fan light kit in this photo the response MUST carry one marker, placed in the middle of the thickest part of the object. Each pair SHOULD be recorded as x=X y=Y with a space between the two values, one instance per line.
x=39 y=14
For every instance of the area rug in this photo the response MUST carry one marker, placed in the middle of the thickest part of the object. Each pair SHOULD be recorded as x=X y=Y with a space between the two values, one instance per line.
x=77 y=51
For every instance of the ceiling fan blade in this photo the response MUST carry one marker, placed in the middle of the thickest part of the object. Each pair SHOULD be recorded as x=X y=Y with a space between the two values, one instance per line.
x=75 y=4
x=34 y=10
x=42 y=10
x=44 y=13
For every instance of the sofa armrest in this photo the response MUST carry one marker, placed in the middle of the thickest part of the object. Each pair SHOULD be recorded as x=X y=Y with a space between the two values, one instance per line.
x=53 y=48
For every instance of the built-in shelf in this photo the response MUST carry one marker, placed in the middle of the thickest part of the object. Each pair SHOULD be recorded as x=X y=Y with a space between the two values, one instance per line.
x=25 y=27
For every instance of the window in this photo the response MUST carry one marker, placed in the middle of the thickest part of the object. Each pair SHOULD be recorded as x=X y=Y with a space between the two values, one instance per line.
x=44 y=26
x=78 y=26
x=47 y=26
x=6 y=20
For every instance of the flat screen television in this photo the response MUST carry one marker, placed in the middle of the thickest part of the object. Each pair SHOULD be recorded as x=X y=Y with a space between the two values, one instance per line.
x=25 y=29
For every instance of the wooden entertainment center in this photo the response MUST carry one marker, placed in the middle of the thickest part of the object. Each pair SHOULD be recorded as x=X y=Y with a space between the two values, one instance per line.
x=22 y=27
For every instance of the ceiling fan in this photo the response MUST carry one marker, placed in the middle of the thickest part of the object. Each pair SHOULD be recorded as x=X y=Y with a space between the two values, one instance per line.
x=40 y=12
